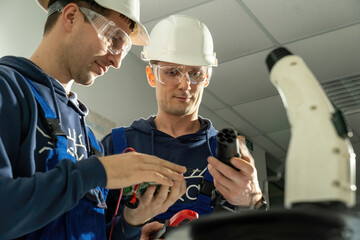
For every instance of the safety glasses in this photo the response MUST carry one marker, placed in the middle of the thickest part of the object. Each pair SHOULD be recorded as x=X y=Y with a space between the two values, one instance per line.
x=173 y=74
x=116 y=40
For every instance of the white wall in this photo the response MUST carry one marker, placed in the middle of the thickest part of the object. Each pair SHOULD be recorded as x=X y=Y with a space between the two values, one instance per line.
x=20 y=31
x=100 y=125
x=130 y=84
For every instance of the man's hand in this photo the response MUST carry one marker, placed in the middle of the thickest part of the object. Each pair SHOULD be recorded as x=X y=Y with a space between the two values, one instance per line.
x=132 y=168
x=239 y=188
x=152 y=203
x=149 y=228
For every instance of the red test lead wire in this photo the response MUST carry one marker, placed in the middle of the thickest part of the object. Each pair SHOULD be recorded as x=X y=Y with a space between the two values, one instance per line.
x=120 y=196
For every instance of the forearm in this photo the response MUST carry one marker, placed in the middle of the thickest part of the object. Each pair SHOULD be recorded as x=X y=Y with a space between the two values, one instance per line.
x=32 y=202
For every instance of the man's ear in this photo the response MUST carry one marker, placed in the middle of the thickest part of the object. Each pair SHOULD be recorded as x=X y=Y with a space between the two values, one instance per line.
x=68 y=15
x=150 y=76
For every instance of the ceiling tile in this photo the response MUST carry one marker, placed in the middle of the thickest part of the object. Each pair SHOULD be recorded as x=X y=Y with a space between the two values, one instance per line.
x=217 y=121
x=289 y=20
x=242 y=80
x=266 y=114
x=269 y=146
x=156 y=9
x=332 y=55
x=238 y=122
x=282 y=137
x=211 y=101
x=236 y=33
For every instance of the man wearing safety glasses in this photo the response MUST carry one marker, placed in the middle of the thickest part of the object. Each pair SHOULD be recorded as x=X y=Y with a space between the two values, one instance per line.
x=180 y=56
x=52 y=172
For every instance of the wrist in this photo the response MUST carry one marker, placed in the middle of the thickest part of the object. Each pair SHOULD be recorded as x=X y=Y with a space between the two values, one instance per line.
x=129 y=231
x=130 y=217
x=261 y=204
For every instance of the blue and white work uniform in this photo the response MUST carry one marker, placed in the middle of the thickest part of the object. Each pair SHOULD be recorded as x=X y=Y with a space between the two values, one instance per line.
x=50 y=172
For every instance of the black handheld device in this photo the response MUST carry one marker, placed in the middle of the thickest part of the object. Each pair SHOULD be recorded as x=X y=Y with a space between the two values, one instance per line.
x=227 y=146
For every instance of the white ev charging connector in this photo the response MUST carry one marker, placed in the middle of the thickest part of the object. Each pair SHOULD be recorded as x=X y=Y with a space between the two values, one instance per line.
x=320 y=162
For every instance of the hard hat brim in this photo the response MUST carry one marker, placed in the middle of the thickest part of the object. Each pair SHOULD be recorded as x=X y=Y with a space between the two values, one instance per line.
x=138 y=37
x=43 y=4
x=179 y=58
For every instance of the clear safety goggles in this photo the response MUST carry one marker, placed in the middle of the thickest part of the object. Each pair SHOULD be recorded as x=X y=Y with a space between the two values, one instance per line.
x=116 y=40
x=173 y=74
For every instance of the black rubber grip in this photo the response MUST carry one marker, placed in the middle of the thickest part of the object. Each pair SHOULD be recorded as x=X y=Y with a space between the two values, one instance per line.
x=227 y=146
x=275 y=56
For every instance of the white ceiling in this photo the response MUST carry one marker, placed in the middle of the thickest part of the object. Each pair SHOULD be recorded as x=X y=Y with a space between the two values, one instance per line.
x=325 y=33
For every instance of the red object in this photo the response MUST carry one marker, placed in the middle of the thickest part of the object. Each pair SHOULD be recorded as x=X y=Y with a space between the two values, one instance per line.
x=133 y=200
x=120 y=195
x=185 y=214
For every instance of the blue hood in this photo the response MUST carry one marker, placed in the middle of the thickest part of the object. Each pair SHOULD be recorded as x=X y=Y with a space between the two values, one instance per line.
x=147 y=139
x=44 y=83
x=147 y=126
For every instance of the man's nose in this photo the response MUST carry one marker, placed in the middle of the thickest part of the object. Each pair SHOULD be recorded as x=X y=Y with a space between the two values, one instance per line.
x=115 y=60
x=185 y=82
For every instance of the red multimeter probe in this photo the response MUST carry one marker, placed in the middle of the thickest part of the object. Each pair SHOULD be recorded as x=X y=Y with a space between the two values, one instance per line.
x=182 y=217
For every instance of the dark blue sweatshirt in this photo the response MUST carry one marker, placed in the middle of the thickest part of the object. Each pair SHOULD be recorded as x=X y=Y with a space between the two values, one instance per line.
x=189 y=150
x=30 y=197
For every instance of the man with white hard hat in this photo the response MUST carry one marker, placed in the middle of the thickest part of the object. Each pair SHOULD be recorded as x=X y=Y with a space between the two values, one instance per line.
x=52 y=172
x=180 y=56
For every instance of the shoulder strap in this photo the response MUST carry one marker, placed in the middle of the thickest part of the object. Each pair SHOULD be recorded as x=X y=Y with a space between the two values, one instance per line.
x=95 y=147
x=213 y=145
x=51 y=121
x=207 y=187
x=119 y=139
x=49 y=113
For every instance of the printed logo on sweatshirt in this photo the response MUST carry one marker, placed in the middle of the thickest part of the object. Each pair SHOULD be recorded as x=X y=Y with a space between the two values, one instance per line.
x=193 y=188
x=77 y=143
x=76 y=148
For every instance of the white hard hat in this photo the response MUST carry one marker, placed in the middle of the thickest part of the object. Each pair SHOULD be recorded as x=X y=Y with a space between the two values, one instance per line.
x=129 y=8
x=181 y=39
